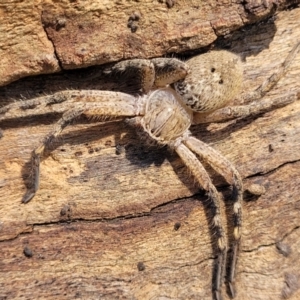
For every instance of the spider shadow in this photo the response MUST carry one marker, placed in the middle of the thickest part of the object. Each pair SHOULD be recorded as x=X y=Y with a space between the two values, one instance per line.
x=139 y=155
x=224 y=131
x=28 y=121
x=243 y=41
x=72 y=138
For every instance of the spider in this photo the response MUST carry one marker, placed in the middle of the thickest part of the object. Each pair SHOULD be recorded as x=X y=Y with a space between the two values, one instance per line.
x=177 y=94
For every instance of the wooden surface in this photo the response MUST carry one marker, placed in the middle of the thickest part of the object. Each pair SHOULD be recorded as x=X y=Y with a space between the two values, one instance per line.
x=45 y=36
x=103 y=224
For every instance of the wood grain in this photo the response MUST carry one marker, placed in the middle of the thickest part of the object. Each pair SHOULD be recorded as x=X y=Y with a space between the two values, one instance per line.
x=116 y=220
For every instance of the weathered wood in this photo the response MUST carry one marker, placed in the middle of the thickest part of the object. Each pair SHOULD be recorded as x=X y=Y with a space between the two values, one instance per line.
x=103 y=225
x=43 y=36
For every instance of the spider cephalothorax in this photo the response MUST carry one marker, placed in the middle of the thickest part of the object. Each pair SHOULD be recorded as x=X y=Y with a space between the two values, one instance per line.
x=202 y=88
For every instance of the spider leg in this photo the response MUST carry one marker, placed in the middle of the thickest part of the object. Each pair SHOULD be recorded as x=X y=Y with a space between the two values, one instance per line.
x=194 y=165
x=141 y=69
x=25 y=108
x=48 y=103
x=270 y=82
x=168 y=71
x=232 y=176
x=242 y=111
x=154 y=73
x=116 y=107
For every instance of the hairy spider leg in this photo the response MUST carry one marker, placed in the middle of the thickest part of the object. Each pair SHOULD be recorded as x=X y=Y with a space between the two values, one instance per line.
x=121 y=105
x=24 y=108
x=242 y=111
x=197 y=169
x=64 y=99
x=168 y=71
x=221 y=165
x=143 y=69
x=152 y=74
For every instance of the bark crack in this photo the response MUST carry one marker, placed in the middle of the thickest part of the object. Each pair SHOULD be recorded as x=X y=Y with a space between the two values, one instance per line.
x=274 y=243
x=53 y=45
x=153 y=211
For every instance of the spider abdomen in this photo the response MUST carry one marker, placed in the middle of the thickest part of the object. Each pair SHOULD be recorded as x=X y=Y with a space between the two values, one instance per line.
x=214 y=79
x=165 y=117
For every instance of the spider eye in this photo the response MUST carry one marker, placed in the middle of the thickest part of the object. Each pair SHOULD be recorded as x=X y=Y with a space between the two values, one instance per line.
x=212 y=70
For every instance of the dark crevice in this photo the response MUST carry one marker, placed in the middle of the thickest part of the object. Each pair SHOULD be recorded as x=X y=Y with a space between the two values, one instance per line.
x=105 y=220
x=53 y=45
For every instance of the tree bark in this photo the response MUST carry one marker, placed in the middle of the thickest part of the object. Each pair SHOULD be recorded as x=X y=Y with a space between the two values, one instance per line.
x=45 y=36
x=114 y=219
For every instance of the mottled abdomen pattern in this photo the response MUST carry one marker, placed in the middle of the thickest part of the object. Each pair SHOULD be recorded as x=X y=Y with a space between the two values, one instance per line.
x=214 y=78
